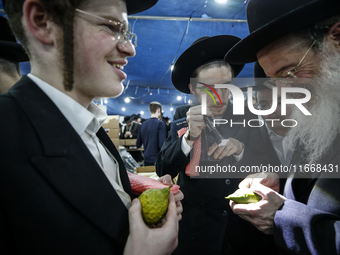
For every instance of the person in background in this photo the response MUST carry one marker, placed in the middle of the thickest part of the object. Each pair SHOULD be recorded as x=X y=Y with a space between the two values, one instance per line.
x=208 y=225
x=138 y=118
x=167 y=122
x=63 y=187
x=130 y=129
x=152 y=134
x=297 y=43
x=11 y=53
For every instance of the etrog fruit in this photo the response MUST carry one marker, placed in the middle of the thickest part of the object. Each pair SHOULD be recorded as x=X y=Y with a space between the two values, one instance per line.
x=244 y=196
x=154 y=204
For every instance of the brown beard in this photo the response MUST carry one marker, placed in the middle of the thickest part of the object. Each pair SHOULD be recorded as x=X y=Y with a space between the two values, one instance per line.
x=317 y=133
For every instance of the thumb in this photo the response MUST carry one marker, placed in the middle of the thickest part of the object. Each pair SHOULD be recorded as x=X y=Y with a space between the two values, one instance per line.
x=135 y=216
x=166 y=179
x=262 y=190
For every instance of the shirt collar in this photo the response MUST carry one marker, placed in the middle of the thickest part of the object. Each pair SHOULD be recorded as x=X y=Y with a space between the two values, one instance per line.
x=271 y=133
x=79 y=117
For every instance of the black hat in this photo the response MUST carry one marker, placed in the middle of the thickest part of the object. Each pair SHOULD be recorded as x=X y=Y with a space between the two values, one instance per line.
x=135 y=116
x=10 y=50
x=133 y=6
x=202 y=51
x=166 y=118
x=271 y=20
x=128 y=119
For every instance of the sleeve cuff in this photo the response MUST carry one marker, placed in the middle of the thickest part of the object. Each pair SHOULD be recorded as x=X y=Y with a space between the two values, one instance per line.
x=239 y=157
x=186 y=148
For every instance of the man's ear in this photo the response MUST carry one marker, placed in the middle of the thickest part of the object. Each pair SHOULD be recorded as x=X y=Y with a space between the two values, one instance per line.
x=192 y=90
x=334 y=33
x=38 y=21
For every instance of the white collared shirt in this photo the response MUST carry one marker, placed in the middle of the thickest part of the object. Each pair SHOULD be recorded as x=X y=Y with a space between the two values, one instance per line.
x=87 y=122
x=281 y=145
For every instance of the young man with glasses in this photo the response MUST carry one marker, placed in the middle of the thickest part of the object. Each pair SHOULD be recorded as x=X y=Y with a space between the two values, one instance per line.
x=63 y=187
x=298 y=42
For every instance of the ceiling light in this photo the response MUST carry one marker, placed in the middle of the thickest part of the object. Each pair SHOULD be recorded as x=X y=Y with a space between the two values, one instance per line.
x=142 y=112
x=221 y=1
x=189 y=101
x=127 y=100
x=171 y=109
x=179 y=98
x=123 y=109
x=105 y=101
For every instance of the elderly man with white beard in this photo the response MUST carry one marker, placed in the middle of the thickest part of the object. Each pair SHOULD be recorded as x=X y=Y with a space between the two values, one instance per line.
x=300 y=39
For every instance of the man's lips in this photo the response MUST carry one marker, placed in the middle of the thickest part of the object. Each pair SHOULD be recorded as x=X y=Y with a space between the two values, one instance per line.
x=118 y=66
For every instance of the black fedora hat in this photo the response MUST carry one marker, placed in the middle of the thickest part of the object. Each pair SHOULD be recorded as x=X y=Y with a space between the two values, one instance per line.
x=202 y=51
x=271 y=20
x=128 y=119
x=136 y=6
x=133 y=6
x=10 y=50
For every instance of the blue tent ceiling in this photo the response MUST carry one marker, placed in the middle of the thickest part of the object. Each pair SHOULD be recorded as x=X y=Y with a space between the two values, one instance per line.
x=160 y=43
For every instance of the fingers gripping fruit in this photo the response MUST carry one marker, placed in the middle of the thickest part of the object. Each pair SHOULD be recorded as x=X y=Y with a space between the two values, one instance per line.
x=154 y=204
x=244 y=196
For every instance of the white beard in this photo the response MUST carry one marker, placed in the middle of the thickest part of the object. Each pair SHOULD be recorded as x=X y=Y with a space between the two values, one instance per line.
x=317 y=133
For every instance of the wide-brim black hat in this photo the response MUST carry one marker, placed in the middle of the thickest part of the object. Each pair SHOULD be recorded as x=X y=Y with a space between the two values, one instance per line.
x=136 y=6
x=202 y=51
x=10 y=50
x=133 y=6
x=128 y=119
x=271 y=20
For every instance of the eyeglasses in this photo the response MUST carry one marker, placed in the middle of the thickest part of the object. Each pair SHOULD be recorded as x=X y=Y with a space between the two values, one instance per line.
x=120 y=30
x=270 y=83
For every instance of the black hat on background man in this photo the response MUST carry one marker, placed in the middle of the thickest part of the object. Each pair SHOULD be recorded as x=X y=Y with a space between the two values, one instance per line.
x=133 y=6
x=272 y=20
x=128 y=119
x=10 y=50
x=204 y=50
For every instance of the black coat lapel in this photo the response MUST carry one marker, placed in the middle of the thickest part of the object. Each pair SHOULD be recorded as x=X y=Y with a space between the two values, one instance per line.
x=68 y=166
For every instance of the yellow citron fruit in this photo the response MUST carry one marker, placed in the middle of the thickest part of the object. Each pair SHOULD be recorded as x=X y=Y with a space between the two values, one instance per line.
x=244 y=196
x=154 y=204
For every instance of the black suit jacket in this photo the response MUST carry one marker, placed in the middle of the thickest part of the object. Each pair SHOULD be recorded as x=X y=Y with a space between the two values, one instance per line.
x=208 y=225
x=134 y=131
x=54 y=197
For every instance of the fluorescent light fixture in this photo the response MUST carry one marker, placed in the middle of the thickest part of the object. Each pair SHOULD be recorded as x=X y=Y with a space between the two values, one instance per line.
x=221 y=1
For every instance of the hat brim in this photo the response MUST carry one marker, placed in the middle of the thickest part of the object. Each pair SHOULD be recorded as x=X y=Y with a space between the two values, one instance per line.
x=136 y=6
x=128 y=121
x=12 y=51
x=212 y=48
x=245 y=51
